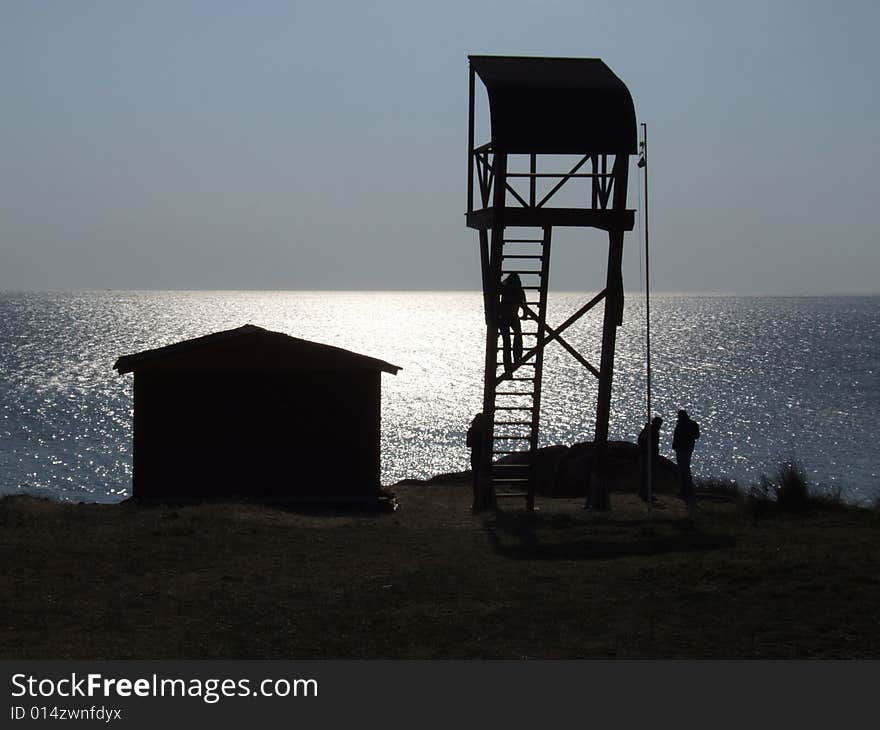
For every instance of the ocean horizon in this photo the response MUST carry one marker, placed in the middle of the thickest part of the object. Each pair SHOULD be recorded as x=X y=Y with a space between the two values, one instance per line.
x=768 y=377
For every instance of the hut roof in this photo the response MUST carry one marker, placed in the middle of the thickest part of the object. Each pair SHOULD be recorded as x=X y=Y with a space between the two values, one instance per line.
x=250 y=349
x=557 y=105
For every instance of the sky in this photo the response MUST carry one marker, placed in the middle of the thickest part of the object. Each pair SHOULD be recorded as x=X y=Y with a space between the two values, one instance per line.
x=323 y=145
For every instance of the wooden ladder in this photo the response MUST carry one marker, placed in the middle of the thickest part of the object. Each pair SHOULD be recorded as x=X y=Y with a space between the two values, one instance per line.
x=516 y=397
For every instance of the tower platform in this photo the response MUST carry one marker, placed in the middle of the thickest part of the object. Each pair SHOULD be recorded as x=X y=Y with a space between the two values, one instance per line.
x=606 y=220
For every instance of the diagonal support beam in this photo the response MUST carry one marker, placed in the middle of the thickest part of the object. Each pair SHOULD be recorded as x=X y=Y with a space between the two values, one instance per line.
x=554 y=335
x=564 y=180
x=516 y=195
x=486 y=176
x=582 y=311
x=571 y=351
x=565 y=325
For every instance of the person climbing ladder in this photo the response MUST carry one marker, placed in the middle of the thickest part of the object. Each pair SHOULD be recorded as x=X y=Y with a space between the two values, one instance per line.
x=512 y=299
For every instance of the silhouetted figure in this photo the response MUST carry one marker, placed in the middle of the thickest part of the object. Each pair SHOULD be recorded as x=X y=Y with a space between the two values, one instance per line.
x=687 y=431
x=512 y=298
x=474 y=441
x=646 y=459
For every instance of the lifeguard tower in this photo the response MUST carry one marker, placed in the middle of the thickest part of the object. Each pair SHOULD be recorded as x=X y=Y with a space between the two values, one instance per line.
x=556 y=123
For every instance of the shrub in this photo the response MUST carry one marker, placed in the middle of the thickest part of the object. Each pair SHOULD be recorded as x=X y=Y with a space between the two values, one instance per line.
x=718 y=486
x=829 y=498
x=790 y=491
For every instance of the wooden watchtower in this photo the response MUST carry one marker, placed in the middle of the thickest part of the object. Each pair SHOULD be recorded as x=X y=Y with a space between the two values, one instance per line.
x=555 y=123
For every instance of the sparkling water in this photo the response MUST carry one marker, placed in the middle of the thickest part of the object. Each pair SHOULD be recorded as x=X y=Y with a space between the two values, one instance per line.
x=767 y=378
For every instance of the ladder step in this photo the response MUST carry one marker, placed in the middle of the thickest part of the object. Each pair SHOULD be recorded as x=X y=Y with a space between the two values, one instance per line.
x=537 y=256
x=499 y=348
x=512 y=452
x=521 y=271
x=509 y=495
x=500 y=379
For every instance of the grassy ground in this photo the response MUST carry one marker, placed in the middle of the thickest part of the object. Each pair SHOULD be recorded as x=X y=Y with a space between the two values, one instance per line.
x=433 y=580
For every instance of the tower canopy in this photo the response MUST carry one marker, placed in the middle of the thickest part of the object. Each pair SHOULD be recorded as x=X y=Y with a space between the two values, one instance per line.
x=557 y=106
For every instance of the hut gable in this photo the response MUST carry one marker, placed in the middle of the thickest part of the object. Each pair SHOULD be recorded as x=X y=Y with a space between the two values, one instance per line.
x=250 y=349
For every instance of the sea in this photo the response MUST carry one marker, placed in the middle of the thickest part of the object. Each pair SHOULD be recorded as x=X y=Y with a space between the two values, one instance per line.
x=769 y=379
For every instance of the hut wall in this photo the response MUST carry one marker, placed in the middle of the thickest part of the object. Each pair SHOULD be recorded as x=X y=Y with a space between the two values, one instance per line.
x=296 y=435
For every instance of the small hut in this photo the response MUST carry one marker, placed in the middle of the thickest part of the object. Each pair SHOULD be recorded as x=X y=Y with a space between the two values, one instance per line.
x=253 y=413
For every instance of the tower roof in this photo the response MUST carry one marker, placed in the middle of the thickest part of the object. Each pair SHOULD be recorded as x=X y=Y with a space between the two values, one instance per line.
x=557 y=105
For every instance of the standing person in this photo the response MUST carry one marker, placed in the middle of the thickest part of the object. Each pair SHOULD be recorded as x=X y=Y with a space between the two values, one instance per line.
x=687 y=431
x=649 y=460
x=512 y=298
x=474 y=441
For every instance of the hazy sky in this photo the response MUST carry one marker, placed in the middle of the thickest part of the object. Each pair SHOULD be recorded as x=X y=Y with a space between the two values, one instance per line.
x=313 y=145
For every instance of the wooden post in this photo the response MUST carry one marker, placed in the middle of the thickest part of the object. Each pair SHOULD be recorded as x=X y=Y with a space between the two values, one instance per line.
x=486 y=275
x=539 y=366
x=613 y=317
x=470 y=184
x=486 y=498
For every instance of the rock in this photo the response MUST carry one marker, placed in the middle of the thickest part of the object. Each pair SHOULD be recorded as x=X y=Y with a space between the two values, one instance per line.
x=564 y=471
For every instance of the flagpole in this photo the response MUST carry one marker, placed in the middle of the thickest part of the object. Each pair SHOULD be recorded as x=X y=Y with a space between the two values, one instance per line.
x=643 y=163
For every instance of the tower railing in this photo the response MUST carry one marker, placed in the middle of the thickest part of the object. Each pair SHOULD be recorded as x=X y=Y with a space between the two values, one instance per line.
x=594 y=170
